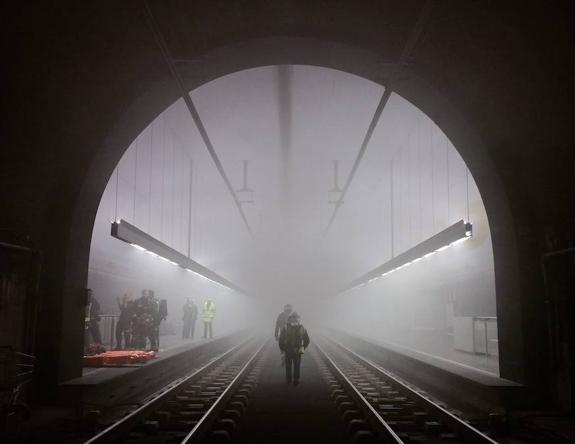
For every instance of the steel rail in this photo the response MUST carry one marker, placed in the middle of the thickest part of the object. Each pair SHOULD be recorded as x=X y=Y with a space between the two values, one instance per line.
x=383 y=429
x=206 y=422
x=465 y=430
x=131 y=420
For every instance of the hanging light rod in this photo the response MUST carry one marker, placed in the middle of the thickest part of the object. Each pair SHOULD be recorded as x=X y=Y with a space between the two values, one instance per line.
x=163 y=47
x=142 y=241
x=408 y=48
x=452 y=235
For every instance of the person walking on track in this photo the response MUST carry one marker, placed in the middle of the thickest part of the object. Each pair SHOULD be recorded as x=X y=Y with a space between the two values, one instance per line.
x=293 y=341
x=281 y=322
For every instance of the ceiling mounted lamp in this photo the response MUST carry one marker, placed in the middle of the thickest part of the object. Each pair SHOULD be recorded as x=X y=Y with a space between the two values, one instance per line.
x=142 y=241
x=452 y=235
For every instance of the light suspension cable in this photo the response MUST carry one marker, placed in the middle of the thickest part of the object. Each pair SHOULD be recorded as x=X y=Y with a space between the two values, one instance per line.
x=160 y=41
x=406 y=52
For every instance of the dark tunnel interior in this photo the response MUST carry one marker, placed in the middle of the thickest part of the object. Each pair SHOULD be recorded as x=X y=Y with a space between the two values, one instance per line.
x=202 y=201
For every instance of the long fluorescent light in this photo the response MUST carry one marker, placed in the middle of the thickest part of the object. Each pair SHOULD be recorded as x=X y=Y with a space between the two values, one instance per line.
x=452 y=235
x=143 y=241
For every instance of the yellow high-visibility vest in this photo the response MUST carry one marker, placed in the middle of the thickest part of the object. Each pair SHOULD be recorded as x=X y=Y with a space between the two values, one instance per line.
x=209 y=311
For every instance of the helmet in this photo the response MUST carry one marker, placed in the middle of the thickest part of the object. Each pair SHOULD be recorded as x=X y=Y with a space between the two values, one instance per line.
x=294 y=317
x=287 y=307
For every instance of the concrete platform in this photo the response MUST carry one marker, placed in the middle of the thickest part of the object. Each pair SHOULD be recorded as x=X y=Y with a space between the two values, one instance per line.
x=439 y=345
x=109 y=386
x=460 y=385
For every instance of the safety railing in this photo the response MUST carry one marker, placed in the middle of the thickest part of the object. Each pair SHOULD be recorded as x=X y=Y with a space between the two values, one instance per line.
x=485 y=335
x=107 y=325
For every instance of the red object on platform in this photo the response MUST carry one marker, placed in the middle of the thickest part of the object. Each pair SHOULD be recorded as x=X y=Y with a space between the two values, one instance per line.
x=119 y=357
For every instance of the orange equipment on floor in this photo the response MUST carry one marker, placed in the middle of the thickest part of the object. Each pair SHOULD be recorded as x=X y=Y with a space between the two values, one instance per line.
x=118 y=358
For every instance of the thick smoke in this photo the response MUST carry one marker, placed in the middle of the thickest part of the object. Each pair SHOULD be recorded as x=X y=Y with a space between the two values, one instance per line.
x=290 y=123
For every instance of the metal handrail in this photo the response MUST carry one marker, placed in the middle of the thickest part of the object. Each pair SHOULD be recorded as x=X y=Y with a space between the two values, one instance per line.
x=485 y=320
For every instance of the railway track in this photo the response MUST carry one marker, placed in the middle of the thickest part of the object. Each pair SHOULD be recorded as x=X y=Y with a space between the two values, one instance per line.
x=208 y=405
x=211 y=397
x=397 y=412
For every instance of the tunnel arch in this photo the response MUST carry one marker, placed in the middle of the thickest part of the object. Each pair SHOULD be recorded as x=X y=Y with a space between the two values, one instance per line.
x=228 y=59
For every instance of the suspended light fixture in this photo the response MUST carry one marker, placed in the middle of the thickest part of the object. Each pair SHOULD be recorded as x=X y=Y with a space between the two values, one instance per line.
x=452 y=235
x=335 y=192
x=245 y=194
x=142 y=241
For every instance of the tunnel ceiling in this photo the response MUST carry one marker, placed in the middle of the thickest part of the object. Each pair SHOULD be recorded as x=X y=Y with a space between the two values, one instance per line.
x=501 y=71
x=290 y=123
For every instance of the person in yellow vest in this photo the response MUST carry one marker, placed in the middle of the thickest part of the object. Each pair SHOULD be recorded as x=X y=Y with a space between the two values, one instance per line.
x=208 y=314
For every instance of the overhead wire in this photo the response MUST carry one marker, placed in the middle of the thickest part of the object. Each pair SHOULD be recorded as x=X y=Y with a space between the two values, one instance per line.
x=467 y=190
x=173 y=189
x=150 y=182
x=448 y=180
x=160 y=41
x=117 y=187
x=190 y=209
x=135 y=181
x=432 y=149
x=406 y=52
x=163 y=179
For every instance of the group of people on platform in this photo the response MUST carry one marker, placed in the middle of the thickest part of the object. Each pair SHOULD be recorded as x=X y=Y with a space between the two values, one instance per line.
x=191 y=315
x=137 y=326
x=138 y=323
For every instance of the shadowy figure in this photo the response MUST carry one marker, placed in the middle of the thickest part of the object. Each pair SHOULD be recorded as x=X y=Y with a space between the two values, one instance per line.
x=93 y=318
x=293 y=341
x=145 y=320
x=281 y=322
x=189 y=318
x=124 y=325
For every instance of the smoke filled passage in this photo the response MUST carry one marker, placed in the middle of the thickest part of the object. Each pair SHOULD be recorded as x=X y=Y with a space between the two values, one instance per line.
x=287 y=138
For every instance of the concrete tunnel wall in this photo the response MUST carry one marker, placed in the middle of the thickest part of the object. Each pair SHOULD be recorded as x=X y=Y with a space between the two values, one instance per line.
x=164 y=171
x=413 y=89
x=427 y=305
x=150 y=188
x=471 y=75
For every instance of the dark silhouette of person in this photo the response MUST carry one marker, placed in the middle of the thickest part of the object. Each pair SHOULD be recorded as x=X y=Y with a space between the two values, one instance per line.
x=124 y=325
x=293 y=341
x=93 y=319
x=162 y=305
x=189 y=318
x=281 y=320
x=145 y=318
